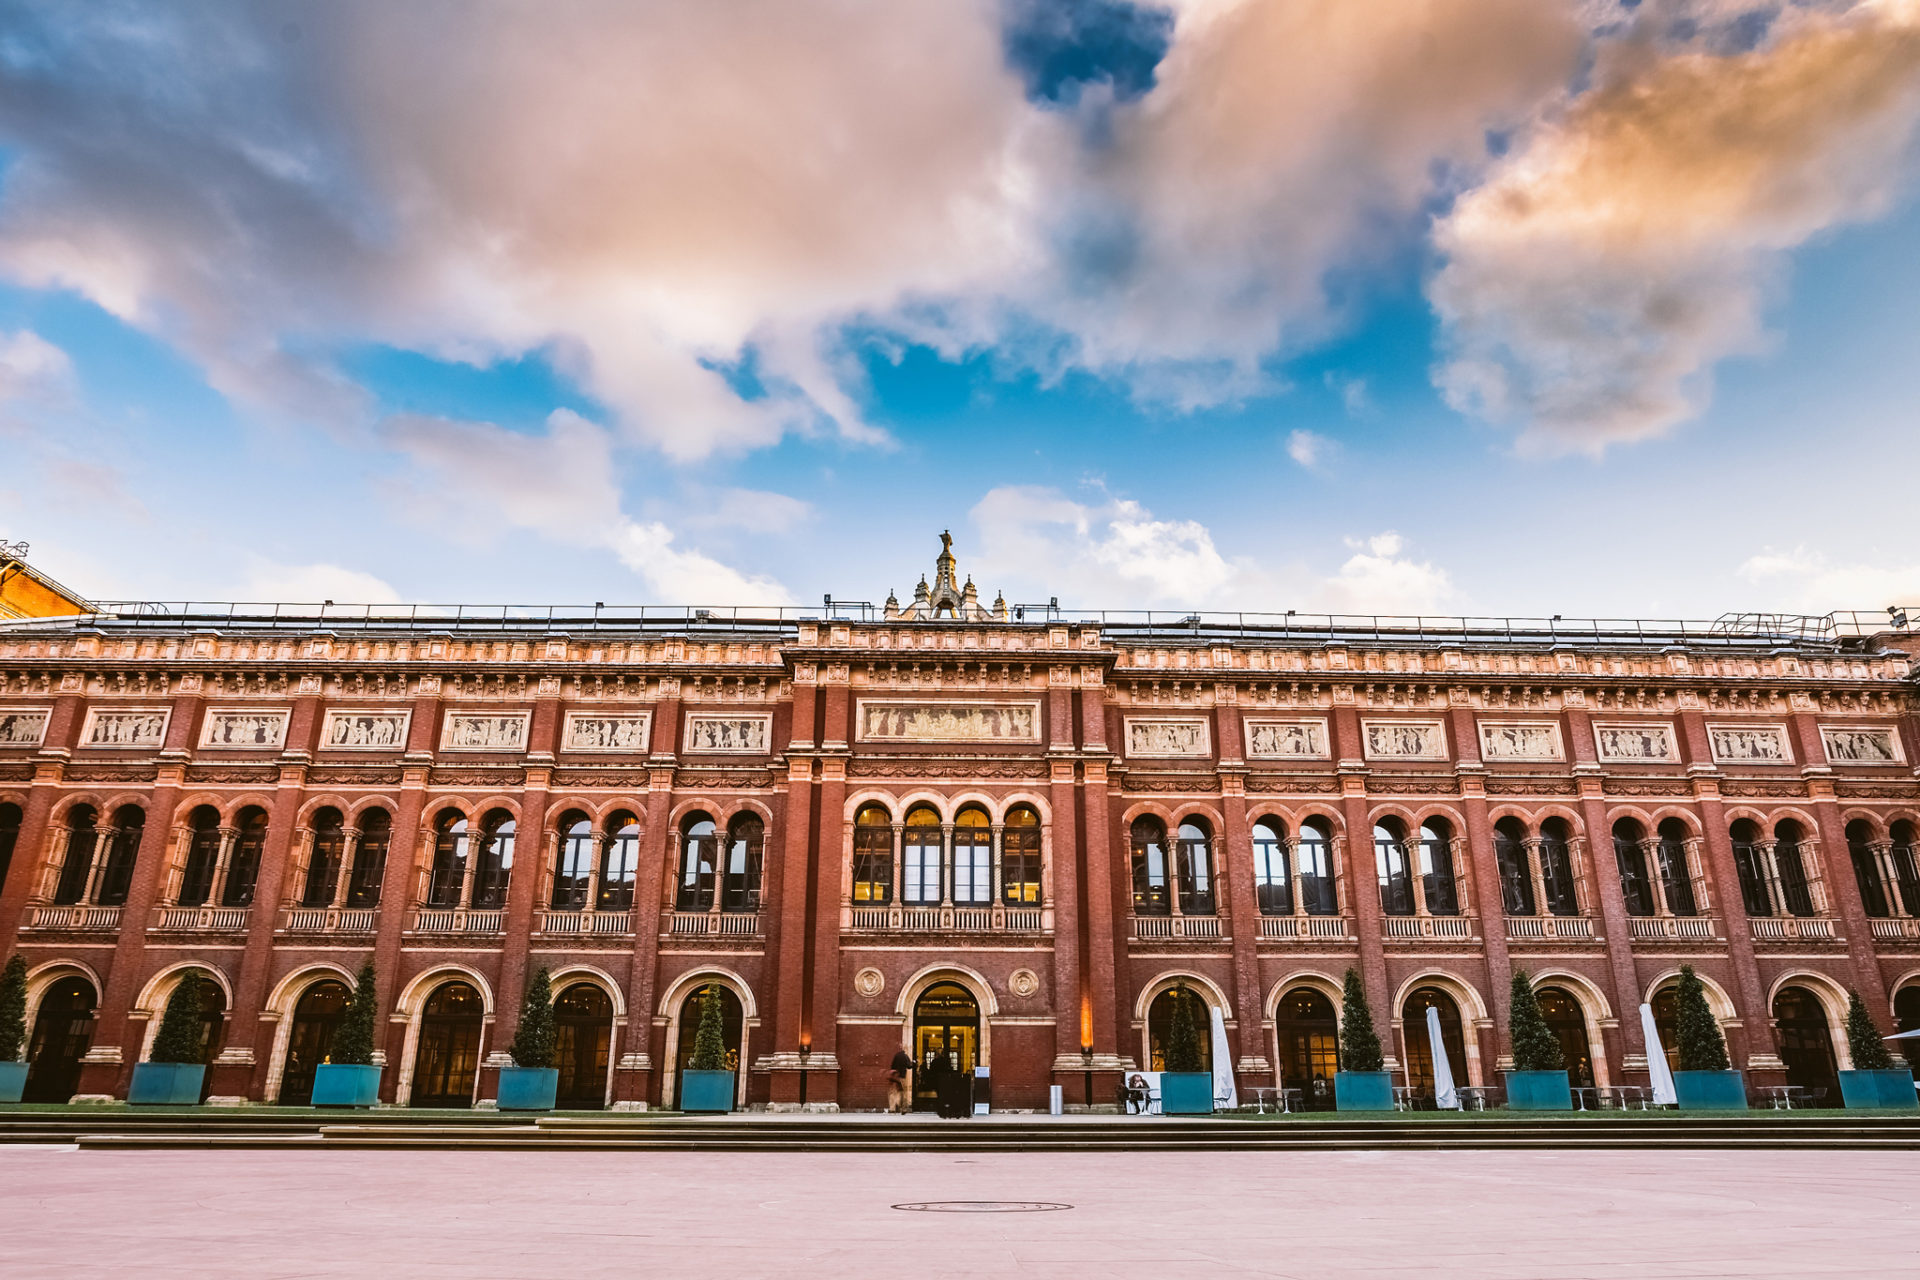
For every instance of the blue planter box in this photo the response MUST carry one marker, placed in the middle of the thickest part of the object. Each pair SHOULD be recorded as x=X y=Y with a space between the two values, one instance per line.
x=528 y=1088
x=1186 y=1093
x=1887 y=1089
x=706 y=1090
x=166 y=1084
x=1710 y=1090
x=1538 y=1091
x=13 y=1081
x=345 y=1085
x=1363 y=1091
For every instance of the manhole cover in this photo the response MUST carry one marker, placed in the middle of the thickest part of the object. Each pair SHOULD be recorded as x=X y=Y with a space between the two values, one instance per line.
x=982 y=1206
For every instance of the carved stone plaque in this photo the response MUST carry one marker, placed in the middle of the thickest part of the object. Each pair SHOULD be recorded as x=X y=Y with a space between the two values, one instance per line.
x=869 y=982
x=1634 y=743
x=1287 y=739
x=230 y=730
x=485 y=731
x=886 y=721
x=365 y=730
x=593 y=731
x=125 y=728
x=1404 y=739
x=1169 y=737
x=1749 y=744
x=1520 y=740
x=729 y=734
x=22 y=726
x=1845 y=744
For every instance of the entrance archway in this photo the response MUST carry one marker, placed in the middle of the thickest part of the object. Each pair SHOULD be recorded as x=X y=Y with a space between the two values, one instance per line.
x=448 y=1061
x=315 y=1020
x=583 y=1037
x=1906 y=1017
x=946 y=1024
x=1806 y=1041
x=732 y=1024
x=62 y=1033
x=1413 y=1029
x=1309 y=1038
x=1568 y=1022
x=1160 y=1026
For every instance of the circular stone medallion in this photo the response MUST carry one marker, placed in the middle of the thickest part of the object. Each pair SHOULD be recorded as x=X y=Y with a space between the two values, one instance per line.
x=869 y=982
x=1023 y=982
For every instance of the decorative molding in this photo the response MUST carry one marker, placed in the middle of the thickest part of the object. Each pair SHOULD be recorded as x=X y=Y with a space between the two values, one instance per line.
x=1023 y=983
x=1404 y=739
x=1521 y=740
x=485 y=731
x=1293 y=739
x=362 y=730
x=1412 y=786
x=1291 y=784
x=696 y=779
x=1169 y=737
x=1844 y=744
x=1649 y=742
x=125 y=728
x=23 y=726
x=1875 y=790
x=242 y=729
x=891 y=720
x=730 y=734
x=321 y=776
x=1782 y=788
x=995 y=770
x=233 y=775
x=626 y=778
x=601 y=731
x=1750 y=744
x=869 y=982
x=1499 y=786
x=497 y=779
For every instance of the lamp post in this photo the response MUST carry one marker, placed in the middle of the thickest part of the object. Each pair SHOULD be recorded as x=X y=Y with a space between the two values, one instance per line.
x=806 y=1052
x=1086 y=1064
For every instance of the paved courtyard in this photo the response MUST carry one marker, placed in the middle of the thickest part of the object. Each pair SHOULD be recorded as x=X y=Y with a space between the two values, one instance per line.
x=1491 y=1215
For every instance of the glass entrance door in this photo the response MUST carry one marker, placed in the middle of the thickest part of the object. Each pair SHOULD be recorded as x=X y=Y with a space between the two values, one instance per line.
x=946 y=1040
x=449 y=1058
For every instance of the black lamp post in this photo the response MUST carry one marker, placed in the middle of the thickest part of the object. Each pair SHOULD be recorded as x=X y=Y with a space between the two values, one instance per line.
x=806 y=1051
x=1086 y=1063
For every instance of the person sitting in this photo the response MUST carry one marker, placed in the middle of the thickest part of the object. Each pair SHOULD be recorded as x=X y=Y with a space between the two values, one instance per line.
x=1134 y=1095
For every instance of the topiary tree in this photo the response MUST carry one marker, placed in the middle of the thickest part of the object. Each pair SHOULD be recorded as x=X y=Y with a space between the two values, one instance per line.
x=533 y=1039
x=710 y=1041
x=13 y=1009
x=1183 y=1038
x=1863 y=1038
x=1535 y=1047
x=1359 y=1042
x=353 y=1042
x=180 y=1028
x=1701 y=1046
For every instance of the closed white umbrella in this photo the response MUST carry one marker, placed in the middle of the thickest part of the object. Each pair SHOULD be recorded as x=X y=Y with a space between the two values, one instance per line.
x=1663 y=1094
x=1445 y=1096
x=1226 y=1095
x=1903 y=1035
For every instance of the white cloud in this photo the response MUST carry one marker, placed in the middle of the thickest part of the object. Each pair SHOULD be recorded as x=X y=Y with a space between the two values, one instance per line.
x=1307 y=448
x=312 y=583
x=1378 y=579
x=746 y=510
x=33 y=374
x=1813 y=583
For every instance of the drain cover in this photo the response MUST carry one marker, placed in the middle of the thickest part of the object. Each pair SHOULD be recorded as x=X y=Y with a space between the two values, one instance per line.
x=982 y=1206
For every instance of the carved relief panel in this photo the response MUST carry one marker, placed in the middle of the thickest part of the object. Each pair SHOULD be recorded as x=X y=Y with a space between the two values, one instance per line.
x=125 y=728
x=22 y=726
x=1287 y=739
x=244 y=730
x=490 y=731
x=1404 y=739
x=1521 y=740
x=591 y=731
x=365 y=730
x=880 y=720
x=1634 y=743
x=729 y=734
x=1845 y=744
x=1749 y=744
x=1167 y=737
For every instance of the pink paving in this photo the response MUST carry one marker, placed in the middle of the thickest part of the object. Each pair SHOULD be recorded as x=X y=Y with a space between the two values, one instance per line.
x=1492 y=1215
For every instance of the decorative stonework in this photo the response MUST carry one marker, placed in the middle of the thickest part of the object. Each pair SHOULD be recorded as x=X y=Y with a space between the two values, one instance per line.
x=22 y=726
x=1845 y=744
x=1167 y=738
x=1520 y=740
x=1404 y=739
x=1750 y=744
x=1634 y=743
x=1287 y=739
x=1023 y=982
x=729 y=734
x=889 y=721
x=869 y=982
x=496 y=731
x=244 y=730
x=365 y=730
x=125 y=728
x=591 y=731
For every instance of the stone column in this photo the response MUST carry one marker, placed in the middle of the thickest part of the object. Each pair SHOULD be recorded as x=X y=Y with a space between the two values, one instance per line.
x=820 y=1022
x=1609 y=901
x=343 y=874
x=790 y=941
x=1363 y=897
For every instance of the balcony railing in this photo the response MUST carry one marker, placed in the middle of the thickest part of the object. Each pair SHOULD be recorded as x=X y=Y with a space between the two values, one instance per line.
x=1331 y=928
x=92 y=919
x=457 y=920
x=584 y=924
x=947 y=919
x=330 y=920
x=202 y=919
x=714 y=924
x=1156 y=928
x=1542 y=928
x=1657 y=928
x=1443 y=927
x=1801 y=928
x=1895 y=928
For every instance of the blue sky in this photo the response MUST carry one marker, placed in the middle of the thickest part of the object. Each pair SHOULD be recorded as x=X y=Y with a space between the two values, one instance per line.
x=1219 y=305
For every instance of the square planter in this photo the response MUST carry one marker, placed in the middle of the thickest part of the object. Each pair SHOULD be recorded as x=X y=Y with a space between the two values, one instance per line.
x=1887 y=1089
x=706 y=1090
x=166 y=1084
x=528 y=1088
x=13 y=1081
x=1363 y=1091
x=1538 y=1091
x=1186 y=1093
x=345 y=1085
x=1710 y=1090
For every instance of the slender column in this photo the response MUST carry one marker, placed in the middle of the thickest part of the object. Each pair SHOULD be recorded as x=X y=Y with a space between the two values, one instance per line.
x=1650 y=854
x=947 y=868
x=343 y=874
x=993 y=892
x=218 y=888
x=898 y=895
x=1534 y=851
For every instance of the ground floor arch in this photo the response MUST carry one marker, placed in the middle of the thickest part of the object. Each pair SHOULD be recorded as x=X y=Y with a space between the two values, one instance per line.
x=62 y=1034
x=1161 y=1013
x=1567 y=1019
x=1906 y=1017
x=316 y=1019
x=681 y=1007
x=1306 y=1030
x=1805 y=1036
x=1417 y=1041
x=583 y=1045
x=946 y=1040
x=446 y=1063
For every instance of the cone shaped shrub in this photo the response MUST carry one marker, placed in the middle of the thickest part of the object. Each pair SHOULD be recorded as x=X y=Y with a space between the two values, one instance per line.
x=1863 y=1038
x=13 y=1009
x=353 y=1042
x=179 y=1037
x=1696 y=1030
x=1183 y=1038
x=710 y=1041
x=1535 y=1047
x=533 y=1039
x=1359 y=1042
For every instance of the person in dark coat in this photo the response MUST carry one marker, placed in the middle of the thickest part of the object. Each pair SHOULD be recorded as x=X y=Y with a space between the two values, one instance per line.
x=900 y=1082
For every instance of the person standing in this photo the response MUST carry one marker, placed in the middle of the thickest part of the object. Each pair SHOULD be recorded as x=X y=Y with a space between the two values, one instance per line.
x=900 y=1082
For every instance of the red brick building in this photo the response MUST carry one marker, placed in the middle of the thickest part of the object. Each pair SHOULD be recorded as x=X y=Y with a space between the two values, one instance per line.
x=1005 y=831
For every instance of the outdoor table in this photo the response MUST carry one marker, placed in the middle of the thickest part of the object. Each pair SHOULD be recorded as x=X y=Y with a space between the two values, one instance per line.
x=1633 y=1096
x=1784 y=1096
x=1292 y=1100
x=1586 y=1098
x=1260 y=1092
x=1403 y=1097
x=1472 y=1097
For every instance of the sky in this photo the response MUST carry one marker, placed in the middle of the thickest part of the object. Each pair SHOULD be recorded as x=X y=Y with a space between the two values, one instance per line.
x=1442 y=307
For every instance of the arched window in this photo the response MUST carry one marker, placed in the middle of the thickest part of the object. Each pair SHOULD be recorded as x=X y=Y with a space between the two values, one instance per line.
x=316 y=1017
x=1631 y=858
x=699 y=853
x=1390 y=862
x=445 y=1069
x=1866 y=869
x=203 y=856
x=1750 y=858
x=1314 y=854
x=1436 y=868
x=369 y=859
x=972 y=858
x=1676 y=871
x=1020 y=858
x=116 y=876
x=1308 y=1033
x=573 y=868
x=493 y=869
x=451 y=843
x=1160 y=1015
x=582 y=1041
x=243 y=864
x=1516 y=875
x=920 y=858
x=1150 y=868
x=1413 y=1026
x=620 y=865
x=10 y=818
x=1568 y=1022
x=83 y=837
x=1806 y=1040
x=62 y=1034
x=872 y=855
x=323 y=864
x=746 y=850
x=1906 y=866
x=1556 y=868
x=1196 y=868
x=1272 y=880
x=1790 y=857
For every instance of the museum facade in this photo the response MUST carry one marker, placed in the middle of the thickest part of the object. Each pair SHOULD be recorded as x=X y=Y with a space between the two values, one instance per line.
x=997 y=831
